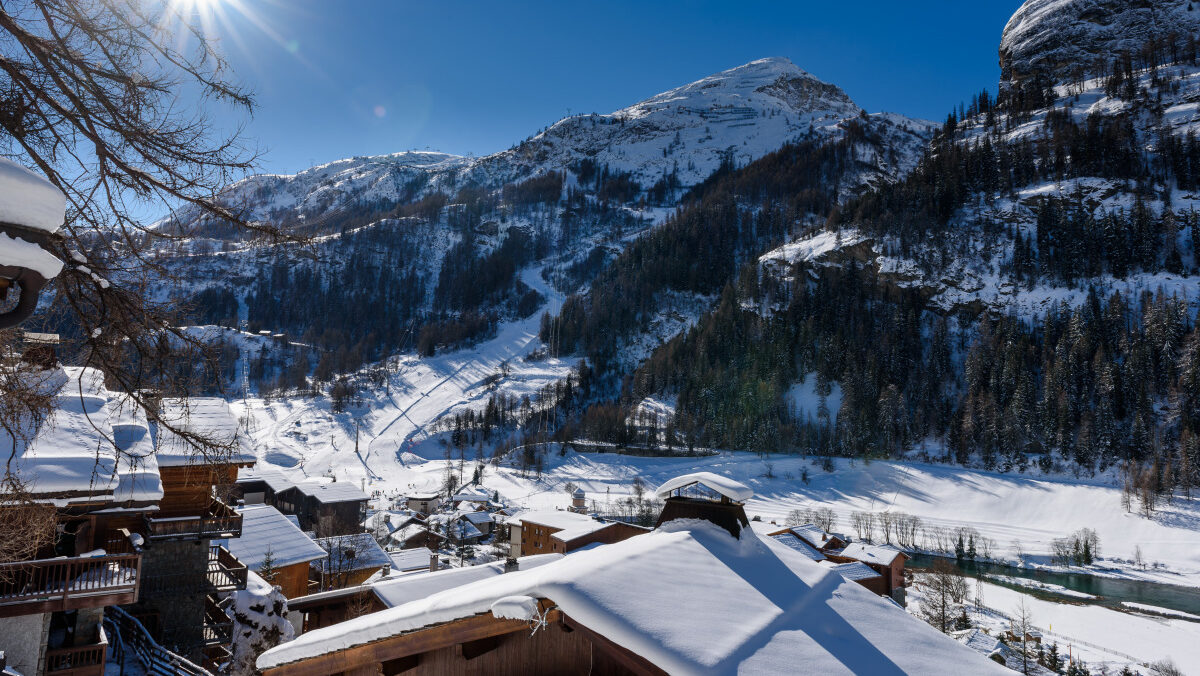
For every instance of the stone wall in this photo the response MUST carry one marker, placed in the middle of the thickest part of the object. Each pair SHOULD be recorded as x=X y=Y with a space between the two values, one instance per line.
x=174 y=585
x=23 y=638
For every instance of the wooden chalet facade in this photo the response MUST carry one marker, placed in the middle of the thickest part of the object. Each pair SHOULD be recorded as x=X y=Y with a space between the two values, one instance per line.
x=328 y=509
x=887 y=561
x=266 y=533
x=560 y=532
x=150 y=520
x=482 y=644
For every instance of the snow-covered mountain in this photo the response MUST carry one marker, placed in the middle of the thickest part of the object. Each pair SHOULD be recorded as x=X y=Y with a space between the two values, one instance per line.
x=682 y=135
x=739 y=114
x=1061 y=39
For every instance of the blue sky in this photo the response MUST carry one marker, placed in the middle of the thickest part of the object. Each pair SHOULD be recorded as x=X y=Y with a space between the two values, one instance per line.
x=338 y=78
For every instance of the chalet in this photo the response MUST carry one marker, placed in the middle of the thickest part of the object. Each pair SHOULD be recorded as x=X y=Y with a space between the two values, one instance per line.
x=411 y=560
x=559 y=532
x=686 y=598
x=885 y=560
x=415 y=535
x=133 y=512
x=260 y=486
x=816 y=537
x=482 y=521
x=329 y=508
x=578 y=501
x=349 y=560
x=859 y=572
x=474 y=495
x=268 y=534
x=796 y=543
x=338 y=605
x=424 y=503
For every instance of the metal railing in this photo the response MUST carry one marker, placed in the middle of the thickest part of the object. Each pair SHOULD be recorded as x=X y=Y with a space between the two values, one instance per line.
x=130 y=639
x=218 y=520
x=49 y=585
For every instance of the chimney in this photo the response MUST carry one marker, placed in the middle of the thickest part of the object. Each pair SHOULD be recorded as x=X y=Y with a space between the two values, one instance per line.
x=433 y=562
x=510 y=564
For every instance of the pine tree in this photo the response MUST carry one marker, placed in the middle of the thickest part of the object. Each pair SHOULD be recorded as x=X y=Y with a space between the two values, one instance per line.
x=266 y=569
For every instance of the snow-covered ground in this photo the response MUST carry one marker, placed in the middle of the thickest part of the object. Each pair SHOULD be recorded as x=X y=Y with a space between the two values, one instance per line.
x=1101 y=637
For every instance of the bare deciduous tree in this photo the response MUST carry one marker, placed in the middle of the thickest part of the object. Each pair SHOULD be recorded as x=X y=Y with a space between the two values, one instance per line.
x=109 y=100
x=943 y=590
x=1020 y=626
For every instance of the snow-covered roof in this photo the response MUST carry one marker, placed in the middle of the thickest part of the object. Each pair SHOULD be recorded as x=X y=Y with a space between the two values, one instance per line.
x=978 y=640
x=351 y=552
x=813 y=534
x=75 y=449
x=423 y=497
x=28 y=199
x=410 y=588
x=209 y=417
x=265 y=529
x=410 y=559
x=478 y=518
x=689 y=598
x=552 y=518
x=790 y=540
x=331 y=492
x=412 y=530
x=734 y=490
x=855 y=571
x=472 y=494
x=268 y=475
x=882 y=555
x=579 y=530
x=464 y=530
x=391 y=519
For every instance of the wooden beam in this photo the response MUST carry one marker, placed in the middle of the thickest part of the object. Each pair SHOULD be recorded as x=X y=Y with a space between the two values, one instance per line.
x=635 y=663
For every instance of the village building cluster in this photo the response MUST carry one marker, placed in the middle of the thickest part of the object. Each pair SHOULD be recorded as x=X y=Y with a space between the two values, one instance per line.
x=157 y=545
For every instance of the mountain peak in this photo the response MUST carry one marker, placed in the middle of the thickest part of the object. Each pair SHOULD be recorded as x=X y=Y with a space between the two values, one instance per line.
x=1061 y=38
x=774 y=78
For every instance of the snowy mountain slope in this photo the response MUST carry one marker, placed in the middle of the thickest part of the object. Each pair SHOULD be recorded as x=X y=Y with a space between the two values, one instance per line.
x=738 y=114
x=1060 y=39
x=1156 y=102
x=686 y=133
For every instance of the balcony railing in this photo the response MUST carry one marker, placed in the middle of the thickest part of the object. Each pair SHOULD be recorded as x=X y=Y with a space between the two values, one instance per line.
x=49 y=585
x=218 y=520
x=223 y=572
x=83 y=660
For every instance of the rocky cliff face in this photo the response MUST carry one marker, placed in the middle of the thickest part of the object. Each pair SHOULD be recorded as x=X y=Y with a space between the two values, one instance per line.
x=1062 y=39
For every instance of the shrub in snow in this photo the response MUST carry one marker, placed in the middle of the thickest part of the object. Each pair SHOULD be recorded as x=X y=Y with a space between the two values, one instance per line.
x=259 y=614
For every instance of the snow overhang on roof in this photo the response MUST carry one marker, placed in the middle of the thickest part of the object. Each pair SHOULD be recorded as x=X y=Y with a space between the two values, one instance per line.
x=207 y=417
x=734 y=490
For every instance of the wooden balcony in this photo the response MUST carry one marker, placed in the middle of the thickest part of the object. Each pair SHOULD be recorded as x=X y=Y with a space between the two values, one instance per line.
x=218 y=520
x=83 y=660
x=218 y=628
x=49 y=585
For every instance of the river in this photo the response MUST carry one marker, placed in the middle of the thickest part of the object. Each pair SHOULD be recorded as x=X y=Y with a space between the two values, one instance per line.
x=1107 y=591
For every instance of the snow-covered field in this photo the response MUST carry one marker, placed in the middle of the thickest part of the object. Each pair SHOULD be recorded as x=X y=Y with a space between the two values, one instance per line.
x=1101 y=637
